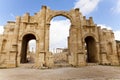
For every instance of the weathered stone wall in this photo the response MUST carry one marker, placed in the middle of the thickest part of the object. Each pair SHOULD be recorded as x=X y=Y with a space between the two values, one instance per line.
x=100 y=43
x=60 y=57
x=118 y=49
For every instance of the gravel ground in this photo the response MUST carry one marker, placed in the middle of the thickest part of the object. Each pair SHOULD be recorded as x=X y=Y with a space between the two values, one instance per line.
x=68 y=73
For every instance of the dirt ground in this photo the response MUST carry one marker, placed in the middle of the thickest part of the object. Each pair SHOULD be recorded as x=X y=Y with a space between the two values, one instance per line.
x=69 y=73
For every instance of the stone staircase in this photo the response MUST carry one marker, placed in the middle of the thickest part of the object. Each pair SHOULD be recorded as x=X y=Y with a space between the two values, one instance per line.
x=92 y=64
x=62 y=64
x=26 y=65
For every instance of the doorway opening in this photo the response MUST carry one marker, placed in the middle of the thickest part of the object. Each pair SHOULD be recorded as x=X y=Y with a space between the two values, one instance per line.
x=91 y=52
x=28 y=49
x=59 y=33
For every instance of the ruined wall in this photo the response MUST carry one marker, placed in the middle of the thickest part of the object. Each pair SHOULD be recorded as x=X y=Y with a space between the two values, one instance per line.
x=118 y=49
x=60 y=57
x=37 y=27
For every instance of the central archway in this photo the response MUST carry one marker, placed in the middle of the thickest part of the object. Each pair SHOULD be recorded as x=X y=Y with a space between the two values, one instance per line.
x=58 y=35
x=91 y=52
x=24 y=49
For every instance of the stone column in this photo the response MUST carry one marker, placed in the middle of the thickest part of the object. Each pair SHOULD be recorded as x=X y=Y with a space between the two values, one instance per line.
x=81 y=59
x=104 y=58
x=103 y=54
x=98 y=52
x=73 y=44
x=40 y=57
x=47 y=55
x=47 y=37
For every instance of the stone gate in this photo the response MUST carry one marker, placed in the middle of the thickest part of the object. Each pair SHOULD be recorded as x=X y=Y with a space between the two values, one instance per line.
x=87 y=42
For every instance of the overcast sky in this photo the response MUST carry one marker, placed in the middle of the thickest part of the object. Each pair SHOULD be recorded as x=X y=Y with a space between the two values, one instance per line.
x=104 y=12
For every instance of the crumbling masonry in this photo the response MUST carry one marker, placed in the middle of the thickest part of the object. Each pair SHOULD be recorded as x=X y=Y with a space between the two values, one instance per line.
x=87 y=42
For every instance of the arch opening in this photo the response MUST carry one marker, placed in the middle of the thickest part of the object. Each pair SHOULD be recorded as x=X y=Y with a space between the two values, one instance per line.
x=59 y=33
x=63 y=14
x=28 y=49
x=91 y=52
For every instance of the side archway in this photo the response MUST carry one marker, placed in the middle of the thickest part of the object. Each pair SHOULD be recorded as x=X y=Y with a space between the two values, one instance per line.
x=90 y=34
x=90 y=49
x=33 y=33
x=24 y=48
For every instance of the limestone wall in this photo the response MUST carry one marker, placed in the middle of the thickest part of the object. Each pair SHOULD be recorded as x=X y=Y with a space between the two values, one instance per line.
x=60 y=57
x=118 y=49
x=103 y=49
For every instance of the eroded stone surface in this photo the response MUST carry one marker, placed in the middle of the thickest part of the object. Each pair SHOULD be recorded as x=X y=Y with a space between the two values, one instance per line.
x=87 y=42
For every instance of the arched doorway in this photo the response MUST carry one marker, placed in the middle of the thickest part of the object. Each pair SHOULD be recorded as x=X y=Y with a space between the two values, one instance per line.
x=59 y=33
x=26 y=51
x=91 y=52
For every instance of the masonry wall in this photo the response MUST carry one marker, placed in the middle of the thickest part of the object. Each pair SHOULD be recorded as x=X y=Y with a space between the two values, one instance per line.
x=39 y=25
